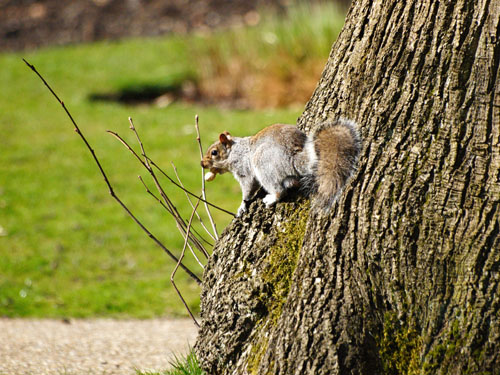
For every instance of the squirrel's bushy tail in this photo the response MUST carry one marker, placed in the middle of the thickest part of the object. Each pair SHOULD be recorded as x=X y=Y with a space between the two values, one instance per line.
x=333 y=150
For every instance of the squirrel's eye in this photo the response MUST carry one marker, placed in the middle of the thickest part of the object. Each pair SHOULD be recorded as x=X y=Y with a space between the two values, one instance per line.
x=214 y=152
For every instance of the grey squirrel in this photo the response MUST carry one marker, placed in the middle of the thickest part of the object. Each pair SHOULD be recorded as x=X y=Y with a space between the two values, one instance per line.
x=280 y=157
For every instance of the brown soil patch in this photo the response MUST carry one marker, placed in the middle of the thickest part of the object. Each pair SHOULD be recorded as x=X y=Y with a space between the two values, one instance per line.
x=27 y=24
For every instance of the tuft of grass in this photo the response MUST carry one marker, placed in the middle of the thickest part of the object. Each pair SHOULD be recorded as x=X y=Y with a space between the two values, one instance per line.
x=187 y=365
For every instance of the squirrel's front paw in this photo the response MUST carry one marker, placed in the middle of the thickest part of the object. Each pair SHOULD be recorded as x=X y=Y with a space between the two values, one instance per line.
x=270 y=199
x=242 y=209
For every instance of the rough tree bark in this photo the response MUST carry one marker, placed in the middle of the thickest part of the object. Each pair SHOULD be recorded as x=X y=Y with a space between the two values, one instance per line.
x=403 y=275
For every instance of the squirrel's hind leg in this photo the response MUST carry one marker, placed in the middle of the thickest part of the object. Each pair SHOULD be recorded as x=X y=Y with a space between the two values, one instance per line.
x=273 y=167
x=290 y=182
x=272 y=185
x=274 y=189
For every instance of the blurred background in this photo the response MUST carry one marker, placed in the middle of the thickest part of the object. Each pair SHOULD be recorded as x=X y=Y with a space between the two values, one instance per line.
x=31 y=24
x=66 y=248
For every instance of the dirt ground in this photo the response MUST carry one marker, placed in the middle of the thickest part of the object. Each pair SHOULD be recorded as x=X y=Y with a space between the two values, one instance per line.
x=28 y=24
x=97 y=346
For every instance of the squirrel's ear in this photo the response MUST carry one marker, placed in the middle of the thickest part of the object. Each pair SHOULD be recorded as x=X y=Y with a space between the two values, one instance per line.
x=225 y=138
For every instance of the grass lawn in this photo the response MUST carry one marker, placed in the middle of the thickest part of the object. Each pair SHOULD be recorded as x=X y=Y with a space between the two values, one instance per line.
x=67 y=249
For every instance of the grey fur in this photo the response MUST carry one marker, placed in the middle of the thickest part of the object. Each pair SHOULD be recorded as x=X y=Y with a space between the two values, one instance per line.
x=281 y=157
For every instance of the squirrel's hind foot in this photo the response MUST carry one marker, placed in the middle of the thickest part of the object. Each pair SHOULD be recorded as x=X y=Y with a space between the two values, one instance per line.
x=270 y=199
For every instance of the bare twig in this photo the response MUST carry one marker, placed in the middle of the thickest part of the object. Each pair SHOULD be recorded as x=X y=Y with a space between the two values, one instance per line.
x=178 y=218
x=179 y=262
x=181 y=225
x=145 y=163
x=198 y=138
x=106 y=180
x=163 y=204
x=192 y=206
x=166 y=175
x=189 y=192
x=166 y=208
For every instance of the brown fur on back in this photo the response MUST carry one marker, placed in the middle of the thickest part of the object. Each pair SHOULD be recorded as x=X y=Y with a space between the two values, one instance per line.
x=282 y=134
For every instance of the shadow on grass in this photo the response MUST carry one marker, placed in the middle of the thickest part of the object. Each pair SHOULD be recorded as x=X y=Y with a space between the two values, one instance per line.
x=160 y=94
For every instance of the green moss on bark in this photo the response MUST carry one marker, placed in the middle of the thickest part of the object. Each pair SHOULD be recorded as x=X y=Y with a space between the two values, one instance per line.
x=400 y=346
x=277 y=276
x=283 y=258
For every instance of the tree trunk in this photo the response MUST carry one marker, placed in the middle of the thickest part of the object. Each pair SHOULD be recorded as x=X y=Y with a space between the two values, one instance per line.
x=403 y=275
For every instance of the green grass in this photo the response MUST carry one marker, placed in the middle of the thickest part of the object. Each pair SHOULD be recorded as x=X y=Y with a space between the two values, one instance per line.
x=67 y=249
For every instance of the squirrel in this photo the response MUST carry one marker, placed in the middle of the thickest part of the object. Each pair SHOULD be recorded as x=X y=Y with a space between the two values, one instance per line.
x=280 y=157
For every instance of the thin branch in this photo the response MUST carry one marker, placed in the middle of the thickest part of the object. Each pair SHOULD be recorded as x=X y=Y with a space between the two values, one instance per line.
x=165 y=174
x=189 y=192
x=106 y=180
x=181 y=225
x=192 y=206
x=151 y=172
x=163 y=205
x=175 y=213
x=179 y=262
x=198 y=138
